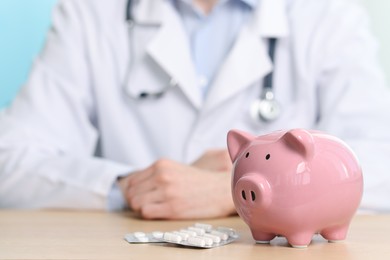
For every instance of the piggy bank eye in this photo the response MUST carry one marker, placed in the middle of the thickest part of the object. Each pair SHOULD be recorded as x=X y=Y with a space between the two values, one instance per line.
x=267 y=156
x=247 y=155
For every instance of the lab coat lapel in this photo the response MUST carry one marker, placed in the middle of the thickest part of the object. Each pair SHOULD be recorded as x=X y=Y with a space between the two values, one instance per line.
x=170 y=49
x=248 y=60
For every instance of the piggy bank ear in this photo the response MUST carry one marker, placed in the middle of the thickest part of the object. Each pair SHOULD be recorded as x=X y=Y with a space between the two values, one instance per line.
x=300 y=140
x=236 y=141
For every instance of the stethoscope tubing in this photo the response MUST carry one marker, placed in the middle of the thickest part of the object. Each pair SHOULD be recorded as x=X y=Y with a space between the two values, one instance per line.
x=266 y=108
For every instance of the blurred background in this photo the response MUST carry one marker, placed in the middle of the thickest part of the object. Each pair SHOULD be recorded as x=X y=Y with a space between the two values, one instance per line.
x=23 y=26
x=24 y=23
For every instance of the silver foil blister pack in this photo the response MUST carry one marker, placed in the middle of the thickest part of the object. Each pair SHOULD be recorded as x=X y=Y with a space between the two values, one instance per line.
x=199 y=235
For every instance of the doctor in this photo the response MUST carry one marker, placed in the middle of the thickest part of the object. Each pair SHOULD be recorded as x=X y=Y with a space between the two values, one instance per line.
x=128 y=105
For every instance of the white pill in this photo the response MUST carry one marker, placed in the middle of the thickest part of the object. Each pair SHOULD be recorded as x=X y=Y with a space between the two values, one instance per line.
x=227 y=230
x=216 y=239
x=139 y=234
x=171 y=237
x=222 y=235
x=189 y=232
x=184 y=236
x=196 y=241
x=208 y=241
x=199 y=231
x=158 y=234
x=206 y=227
x=143 y=239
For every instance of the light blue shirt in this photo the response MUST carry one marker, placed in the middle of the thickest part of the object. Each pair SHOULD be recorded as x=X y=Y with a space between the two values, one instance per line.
x=211 y=37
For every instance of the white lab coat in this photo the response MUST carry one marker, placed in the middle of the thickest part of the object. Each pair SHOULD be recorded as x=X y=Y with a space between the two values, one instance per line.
x=76 y=125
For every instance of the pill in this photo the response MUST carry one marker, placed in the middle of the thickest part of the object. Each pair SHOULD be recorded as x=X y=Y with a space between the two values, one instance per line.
x=198 y=235
x=216 y=239
x=171 y=237
x=206 y=227
x=189 y=232
x=227 y=230
x=139 y=234
x=199 y=231
x=208 y=241
x=222 y=235
x=143 y=239
x=158 y=234
x=184 y=236
x=196 y=241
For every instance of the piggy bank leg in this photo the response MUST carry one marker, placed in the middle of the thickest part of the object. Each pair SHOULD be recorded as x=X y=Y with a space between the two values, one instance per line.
x=262 y=237
x=335 y=234
x=300 y=240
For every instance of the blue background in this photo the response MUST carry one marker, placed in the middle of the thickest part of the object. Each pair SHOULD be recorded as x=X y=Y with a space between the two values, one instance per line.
x=23 y=27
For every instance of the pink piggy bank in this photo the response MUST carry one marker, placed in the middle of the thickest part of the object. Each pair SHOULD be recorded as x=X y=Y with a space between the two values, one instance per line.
x=294 y=183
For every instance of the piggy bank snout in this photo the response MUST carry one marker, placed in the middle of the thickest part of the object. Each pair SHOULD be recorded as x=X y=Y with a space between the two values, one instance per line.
x=253 y=191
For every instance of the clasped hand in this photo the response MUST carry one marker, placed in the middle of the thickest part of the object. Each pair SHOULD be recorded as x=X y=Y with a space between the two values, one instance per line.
x=171 y=190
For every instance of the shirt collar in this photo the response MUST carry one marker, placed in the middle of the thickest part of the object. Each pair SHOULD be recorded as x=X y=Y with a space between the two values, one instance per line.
x=250 y=3
x=272 y=20
x=271 y=15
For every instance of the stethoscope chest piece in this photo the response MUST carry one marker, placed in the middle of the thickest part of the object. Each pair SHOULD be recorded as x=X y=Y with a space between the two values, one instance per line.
x=266 y=109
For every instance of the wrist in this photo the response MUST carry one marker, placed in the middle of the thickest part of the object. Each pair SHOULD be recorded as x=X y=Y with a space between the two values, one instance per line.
x=116 y=200
x=122 y=182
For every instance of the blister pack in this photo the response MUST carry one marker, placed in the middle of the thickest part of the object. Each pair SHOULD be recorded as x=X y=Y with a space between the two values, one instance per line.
x=199 y=235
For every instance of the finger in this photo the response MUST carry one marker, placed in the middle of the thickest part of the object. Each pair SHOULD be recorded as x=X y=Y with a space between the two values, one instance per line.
x=215 y=160
x=160 y=165
x=140 y=200
x=141 y=187
x=139 y=176
x=160 y=210
x=155 y=179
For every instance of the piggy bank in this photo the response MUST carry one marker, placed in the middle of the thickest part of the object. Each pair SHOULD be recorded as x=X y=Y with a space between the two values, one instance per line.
x=295 y=184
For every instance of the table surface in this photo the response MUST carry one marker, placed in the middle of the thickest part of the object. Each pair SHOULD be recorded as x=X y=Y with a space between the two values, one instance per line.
x=99 y=235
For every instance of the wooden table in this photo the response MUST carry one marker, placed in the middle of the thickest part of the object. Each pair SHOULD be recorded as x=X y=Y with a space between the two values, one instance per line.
x=99 y=235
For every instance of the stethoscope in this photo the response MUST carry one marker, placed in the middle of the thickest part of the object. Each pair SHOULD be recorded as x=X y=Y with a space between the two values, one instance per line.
x=266 y=108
